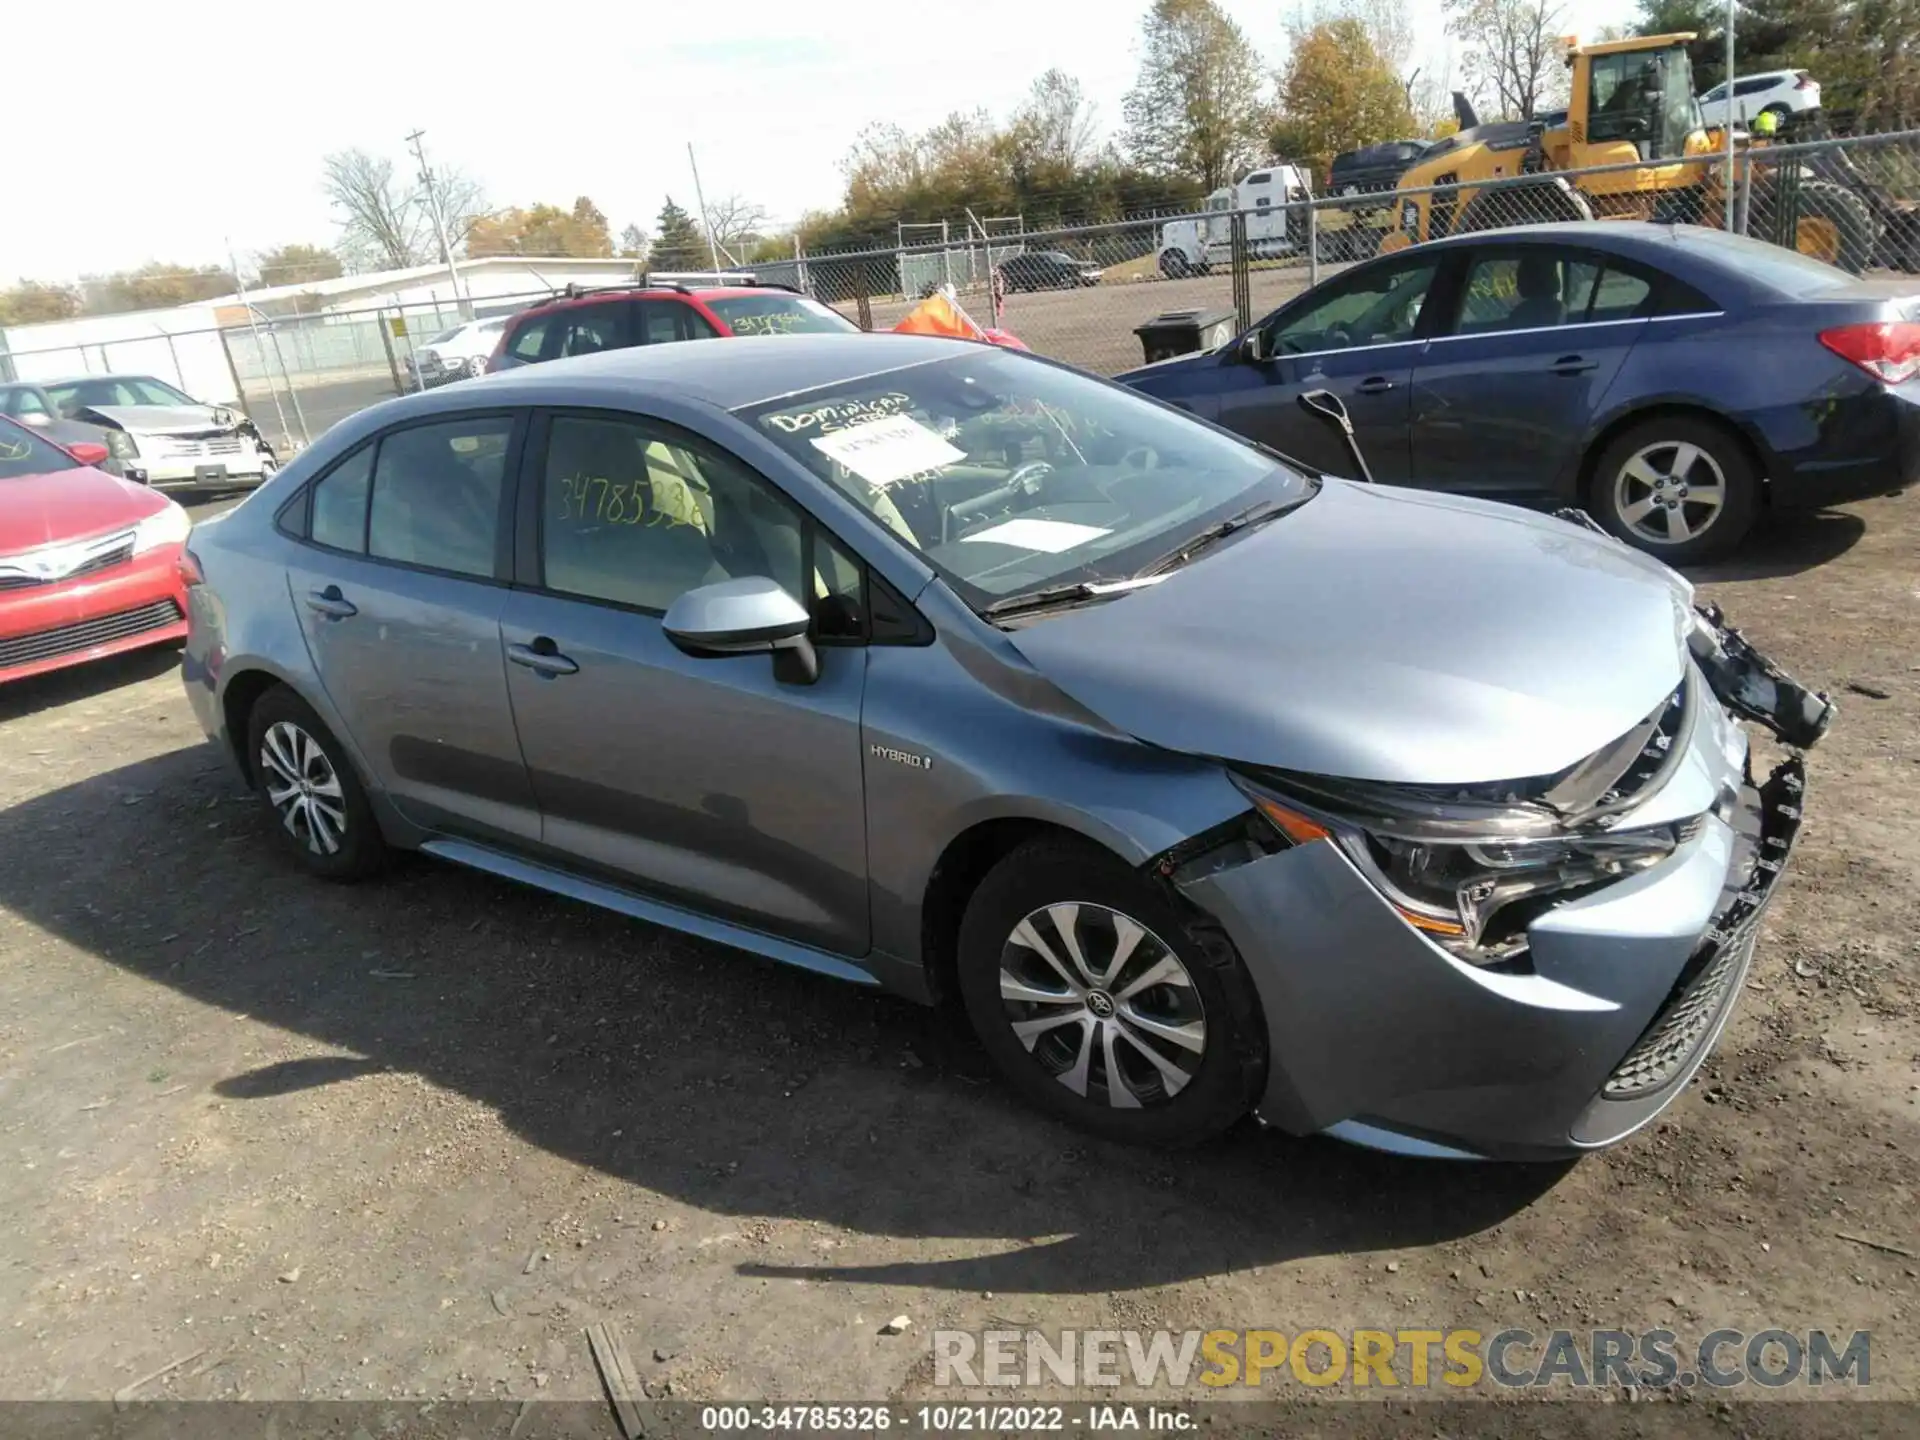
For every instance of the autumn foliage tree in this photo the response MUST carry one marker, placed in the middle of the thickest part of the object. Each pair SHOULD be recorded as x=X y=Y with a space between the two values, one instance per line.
x=1336 y=94
x=33 y=302
x=297 y=265
x=543 y=230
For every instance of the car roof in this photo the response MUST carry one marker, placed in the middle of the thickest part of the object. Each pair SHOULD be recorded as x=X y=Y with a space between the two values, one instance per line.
x=654 y=292
x=42 y=382
x=741 y=372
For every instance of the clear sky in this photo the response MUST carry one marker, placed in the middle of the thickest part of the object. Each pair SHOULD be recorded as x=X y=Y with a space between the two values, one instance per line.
x=174 y=129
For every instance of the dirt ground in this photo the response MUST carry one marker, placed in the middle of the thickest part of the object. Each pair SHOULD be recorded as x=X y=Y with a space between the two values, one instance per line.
x=408 y=1139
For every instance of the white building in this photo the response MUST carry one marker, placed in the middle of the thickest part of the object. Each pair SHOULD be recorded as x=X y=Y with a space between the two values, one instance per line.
x=357 y=325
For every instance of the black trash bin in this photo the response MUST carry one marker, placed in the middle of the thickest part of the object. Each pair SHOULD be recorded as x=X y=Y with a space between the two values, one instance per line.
x=1182 y=332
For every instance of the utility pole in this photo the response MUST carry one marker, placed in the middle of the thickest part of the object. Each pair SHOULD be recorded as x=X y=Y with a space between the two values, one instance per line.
x=713 y=250
x=439 y=216
x=1727 y=206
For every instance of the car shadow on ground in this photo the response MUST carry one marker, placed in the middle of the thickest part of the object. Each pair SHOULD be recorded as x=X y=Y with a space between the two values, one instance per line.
x=1786 y=544
x=20 y=698
x=704 y=1075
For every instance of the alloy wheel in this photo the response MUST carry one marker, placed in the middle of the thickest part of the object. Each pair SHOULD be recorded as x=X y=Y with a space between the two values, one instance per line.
x=1103 y=1004
x=303 y=788
x=1670 y=492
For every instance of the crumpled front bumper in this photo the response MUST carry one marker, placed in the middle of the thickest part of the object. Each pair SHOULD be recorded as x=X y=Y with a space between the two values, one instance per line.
x=1379 y=1036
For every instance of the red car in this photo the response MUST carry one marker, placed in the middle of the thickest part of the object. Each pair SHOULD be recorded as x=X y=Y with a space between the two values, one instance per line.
x=90 y=564
x=586 y=321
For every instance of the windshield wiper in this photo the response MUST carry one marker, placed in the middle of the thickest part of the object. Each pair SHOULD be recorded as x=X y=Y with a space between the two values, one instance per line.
x=1253 y=515
x=1052 y=596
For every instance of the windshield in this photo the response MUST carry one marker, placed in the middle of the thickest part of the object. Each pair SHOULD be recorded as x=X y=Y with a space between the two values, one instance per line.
x=24 y=453
x=1009 y=474
x=1645 y=96
x=76 y=395
x=778 y=315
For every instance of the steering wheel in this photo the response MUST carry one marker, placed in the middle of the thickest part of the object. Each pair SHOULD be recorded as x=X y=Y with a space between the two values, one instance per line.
x=1024 y=483
x=1338 y=337
x=1141 y=457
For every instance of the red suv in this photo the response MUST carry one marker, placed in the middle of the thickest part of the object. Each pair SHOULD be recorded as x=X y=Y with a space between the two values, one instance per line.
x=580 y=322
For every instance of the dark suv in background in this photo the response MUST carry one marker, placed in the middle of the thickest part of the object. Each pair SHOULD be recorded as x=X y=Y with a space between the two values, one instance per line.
x=581 y=322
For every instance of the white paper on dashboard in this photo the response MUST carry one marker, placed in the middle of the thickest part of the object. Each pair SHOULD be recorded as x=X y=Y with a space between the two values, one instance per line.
x=883 y=451
x=1052 y=536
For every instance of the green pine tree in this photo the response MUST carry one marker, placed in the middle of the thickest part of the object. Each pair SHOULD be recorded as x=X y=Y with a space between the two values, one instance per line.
x=677 y=241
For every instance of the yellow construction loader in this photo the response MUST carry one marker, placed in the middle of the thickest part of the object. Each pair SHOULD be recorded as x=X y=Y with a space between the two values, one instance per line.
x=1632 y=104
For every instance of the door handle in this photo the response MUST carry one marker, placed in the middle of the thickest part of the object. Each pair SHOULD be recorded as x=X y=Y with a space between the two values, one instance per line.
x=1373 y=385
x=331 y=603
x=1573 y=365
x=542 y=657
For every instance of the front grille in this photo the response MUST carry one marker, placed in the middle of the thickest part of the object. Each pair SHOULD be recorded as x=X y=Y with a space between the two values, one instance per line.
x=1665 y=1049
x=1765 y=827
x=180 y=447
x=103 y=630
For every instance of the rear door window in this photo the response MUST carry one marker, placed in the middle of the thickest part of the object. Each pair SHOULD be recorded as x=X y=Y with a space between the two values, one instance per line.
x=589 y=329
x=436 y=494
x=662 y=322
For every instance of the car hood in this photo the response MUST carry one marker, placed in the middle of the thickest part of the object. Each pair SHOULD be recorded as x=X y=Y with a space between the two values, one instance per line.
x=63 y=505
x=165 y=419
x=1172 y=365
x=1384 y=634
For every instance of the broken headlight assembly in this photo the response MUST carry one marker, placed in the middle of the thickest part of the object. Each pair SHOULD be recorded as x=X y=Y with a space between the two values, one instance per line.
x=1469 y=869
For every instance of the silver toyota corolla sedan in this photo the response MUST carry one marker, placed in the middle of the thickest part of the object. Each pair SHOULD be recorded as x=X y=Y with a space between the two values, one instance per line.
x=1205 y=785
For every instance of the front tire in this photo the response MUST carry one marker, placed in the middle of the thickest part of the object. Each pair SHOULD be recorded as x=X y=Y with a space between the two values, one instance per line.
x=1173 y=265
x=1680 y=487
x=1104 y=1006
x=306 y=782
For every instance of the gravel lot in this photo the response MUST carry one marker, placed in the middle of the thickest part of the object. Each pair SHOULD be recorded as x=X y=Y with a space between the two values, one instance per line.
x=408 y=1139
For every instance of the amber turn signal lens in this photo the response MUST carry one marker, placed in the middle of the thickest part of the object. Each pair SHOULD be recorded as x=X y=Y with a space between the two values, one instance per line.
x=1295 y=826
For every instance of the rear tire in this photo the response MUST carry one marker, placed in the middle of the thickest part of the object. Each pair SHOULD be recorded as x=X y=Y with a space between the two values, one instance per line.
x=1854 y=229
x=1174 y=265
x=1680 y=487
x=1171 y=1062
x=312 y=796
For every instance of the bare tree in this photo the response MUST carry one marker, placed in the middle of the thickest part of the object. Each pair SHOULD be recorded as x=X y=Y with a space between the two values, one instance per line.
x=388 y=224
x=380 y=224
x=735 y=223
x=1056 y=125
x=1512 y=50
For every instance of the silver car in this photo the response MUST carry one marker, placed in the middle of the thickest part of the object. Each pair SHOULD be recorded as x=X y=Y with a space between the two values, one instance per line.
x=1203 y=785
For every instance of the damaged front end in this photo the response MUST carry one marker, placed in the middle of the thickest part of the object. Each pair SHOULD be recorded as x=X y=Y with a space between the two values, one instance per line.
x=1518 y=969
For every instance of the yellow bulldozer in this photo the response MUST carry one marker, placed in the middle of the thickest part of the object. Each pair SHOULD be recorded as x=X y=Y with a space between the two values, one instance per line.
x=1632 y=104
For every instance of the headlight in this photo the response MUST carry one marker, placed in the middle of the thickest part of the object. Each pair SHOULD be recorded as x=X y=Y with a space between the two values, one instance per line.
x=1470 y=872
x=120 y=445
x=164 y=527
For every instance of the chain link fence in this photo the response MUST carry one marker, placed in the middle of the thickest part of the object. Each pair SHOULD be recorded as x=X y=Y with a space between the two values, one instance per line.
x=1080 y=293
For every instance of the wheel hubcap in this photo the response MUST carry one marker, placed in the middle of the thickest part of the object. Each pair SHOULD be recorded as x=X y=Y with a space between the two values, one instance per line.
x=1103 y=1004
x=303 y=788
x=1670 y=492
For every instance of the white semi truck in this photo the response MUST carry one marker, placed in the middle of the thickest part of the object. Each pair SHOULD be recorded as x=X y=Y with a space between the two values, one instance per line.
x=1274 y=227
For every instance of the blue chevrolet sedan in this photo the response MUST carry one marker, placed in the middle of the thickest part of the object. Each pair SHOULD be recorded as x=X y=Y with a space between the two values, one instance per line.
x=1673 y=381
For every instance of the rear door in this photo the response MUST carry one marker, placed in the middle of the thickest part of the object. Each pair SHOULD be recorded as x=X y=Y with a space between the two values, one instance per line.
x=1357 y=336
x=399 y=591
x=1502 y=400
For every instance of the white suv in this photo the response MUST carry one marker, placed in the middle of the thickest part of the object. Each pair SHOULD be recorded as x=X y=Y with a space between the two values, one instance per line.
x=1780 y=91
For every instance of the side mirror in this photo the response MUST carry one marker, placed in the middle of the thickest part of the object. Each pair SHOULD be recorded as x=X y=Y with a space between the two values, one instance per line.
x=89 y=452
x=749 y=616
x=1256 y=347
